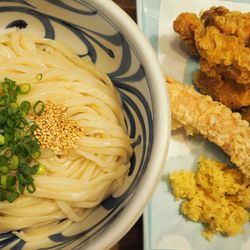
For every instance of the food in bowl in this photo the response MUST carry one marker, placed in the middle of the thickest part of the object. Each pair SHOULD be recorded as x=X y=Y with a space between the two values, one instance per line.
x=84 y=150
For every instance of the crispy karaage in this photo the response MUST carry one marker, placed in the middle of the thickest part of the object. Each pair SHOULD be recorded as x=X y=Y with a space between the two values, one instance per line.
x=222 y=40
x=228 y=22
x=228 y=92
x=185 y=25
x=245 y=112
x=225 y=56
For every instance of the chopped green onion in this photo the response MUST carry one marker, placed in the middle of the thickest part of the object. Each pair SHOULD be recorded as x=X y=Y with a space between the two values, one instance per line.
x=3 y=116
x=25 y=107
x=22 y=122
x=13 y=196
x=10 y=123
x=8 y=134
x=22 y=179
x=19 y=148
x=29 y=170
x=2 y=194
x=3 y=180
x=5 y=87
x=33 y=126
x=31 y=188
x=4 y=170
x=24 y=88
x=38 y=107
x=3 y=159
x=14 y=161
x=39 y=77
x=2 y=139
x=9 y=81
x=8 y=153
x=41 y=169
x=21 y=187
x=12 y=98
x=36 y=154
x=11 y=181
x=13 y=108
x=19 y=133
x=3 y=101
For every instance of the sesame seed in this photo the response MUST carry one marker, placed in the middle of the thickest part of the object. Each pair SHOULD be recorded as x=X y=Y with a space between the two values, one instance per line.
x=55 y=130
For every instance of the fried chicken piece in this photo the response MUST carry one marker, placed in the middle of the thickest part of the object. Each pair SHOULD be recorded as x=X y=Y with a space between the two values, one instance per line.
x=200 y=114
x=226 y=92
x=185 y=25
x=245 y=113
x=220 y=72
x=222 y=39
x=232 y=23
x=224 y=54
x=208 y=15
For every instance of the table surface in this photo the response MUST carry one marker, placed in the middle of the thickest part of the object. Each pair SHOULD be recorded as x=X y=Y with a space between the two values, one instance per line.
x=133 y=239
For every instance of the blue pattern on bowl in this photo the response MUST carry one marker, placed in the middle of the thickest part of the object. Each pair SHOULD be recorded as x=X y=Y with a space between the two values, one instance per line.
x=102 y=43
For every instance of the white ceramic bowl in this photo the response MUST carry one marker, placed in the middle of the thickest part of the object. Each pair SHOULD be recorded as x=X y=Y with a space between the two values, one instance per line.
x=101 y=30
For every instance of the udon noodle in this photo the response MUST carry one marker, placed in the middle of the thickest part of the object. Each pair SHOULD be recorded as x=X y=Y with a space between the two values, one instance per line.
x=98 y=166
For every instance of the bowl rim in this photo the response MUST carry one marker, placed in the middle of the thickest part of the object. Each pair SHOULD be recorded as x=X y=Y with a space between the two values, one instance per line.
x=161 y=130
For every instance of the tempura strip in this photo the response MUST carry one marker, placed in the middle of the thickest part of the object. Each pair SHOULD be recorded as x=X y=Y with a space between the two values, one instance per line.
x=200 y=114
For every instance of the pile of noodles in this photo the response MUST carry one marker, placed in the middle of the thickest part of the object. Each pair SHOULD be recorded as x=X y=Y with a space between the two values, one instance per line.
x=97 y=167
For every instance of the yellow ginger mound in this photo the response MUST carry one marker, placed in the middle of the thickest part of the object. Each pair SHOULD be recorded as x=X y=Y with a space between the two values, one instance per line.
x=217 y=196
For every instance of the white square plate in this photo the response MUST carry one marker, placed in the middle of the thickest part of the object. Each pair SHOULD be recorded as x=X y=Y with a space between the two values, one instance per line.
x=164 y=227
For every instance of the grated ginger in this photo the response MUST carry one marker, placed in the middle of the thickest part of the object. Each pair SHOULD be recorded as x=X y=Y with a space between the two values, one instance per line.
x=217 y=196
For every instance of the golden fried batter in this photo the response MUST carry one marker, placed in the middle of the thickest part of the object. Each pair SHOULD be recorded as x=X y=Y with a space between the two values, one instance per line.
x=224 y=54
x=245 y=113
x=232 y=23
x=185 y=25
x=228 y=92
x=200 y=114
x=222 y=40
